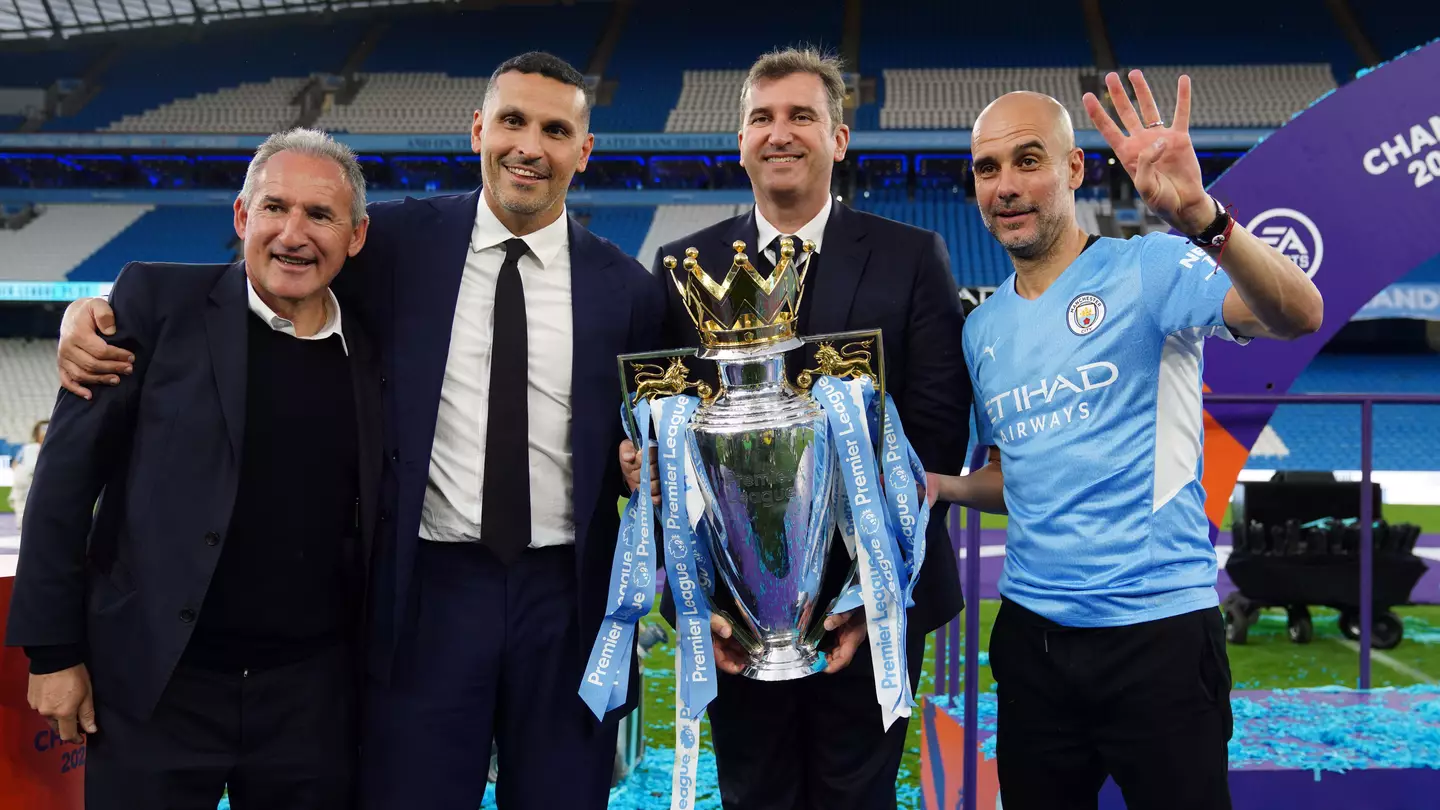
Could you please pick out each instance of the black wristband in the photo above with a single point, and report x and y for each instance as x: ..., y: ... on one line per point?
x: 1213, y: 233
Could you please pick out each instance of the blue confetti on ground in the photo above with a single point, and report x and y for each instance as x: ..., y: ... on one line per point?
x: 1288, y: 730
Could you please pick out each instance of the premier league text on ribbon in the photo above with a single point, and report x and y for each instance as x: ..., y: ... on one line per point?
x: 678, y: 539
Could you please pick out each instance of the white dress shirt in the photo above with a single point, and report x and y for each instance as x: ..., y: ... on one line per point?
x: 814, y: 230
x: 451, y: 512
x: 279, y: 324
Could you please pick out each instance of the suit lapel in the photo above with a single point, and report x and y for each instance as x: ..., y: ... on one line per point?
x: 842, y: 263
x: 600, y: 311
x: 225, y: 333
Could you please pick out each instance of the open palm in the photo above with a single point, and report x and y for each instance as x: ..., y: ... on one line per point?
x: 1160, y: 159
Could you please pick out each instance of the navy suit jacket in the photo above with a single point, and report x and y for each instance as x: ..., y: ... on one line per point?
x: 404, y: 285
x: 874, y: 273
x: 161, y: 451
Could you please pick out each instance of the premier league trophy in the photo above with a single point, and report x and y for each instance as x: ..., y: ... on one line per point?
x: 755, y: 478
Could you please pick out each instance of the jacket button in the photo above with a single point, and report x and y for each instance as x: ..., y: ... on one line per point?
x: 187, y: 615
x: 394, y: 455
x: 212, y: 539
x: 384, y: 515
x: 383, y: 381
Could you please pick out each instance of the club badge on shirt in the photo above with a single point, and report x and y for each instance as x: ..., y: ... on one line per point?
x: 1085, y: 314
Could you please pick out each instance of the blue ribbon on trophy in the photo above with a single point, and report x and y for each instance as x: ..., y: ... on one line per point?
x: 755, y: 479
x: 632, y: 590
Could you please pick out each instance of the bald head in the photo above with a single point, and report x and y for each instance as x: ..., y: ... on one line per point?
x: 1023, y: 108
x: 1026, y: 170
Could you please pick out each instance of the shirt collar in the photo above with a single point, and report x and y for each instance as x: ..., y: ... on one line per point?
x: 279, y: 324
x: 814, y: 230
x: 545, y: 244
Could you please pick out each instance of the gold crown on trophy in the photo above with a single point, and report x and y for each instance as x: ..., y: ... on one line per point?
x: 746, y: 309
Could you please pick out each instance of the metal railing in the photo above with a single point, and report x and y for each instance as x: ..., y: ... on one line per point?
x: 948, y: 647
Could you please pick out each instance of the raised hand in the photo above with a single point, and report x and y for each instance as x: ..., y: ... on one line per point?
x: 1160, y: 159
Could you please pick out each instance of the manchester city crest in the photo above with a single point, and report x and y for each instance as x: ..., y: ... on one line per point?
x: 1085, y: 314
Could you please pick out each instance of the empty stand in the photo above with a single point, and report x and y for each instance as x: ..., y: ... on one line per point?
x: 626, y: 226
x: 1274, y: 31
x: 408, y: 103
x: 709, y: 102
x: 952, y: 98
x: 28, y: 386
x: 1239, y: 95
x: 1394, y: 28
x: 259, y: 108
x: 930, y: 34
x: 169, y: 233
x: 62, y: 237
x: 1327, y: 437
x: 674, y: 221
x: 147, y: 75
x: 976, y: 259
x: 473, y: 42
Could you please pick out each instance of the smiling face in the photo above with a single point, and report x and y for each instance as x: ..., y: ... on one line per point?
x: 789, y: 146
x: 531, y: 137
x: 1026, y: 171
x: 297, y: 228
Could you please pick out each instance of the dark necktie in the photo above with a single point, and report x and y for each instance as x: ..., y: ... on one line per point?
x: 802, y: 322
x: 505, y: 494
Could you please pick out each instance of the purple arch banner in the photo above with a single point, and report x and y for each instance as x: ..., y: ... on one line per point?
x: 1349, y: 189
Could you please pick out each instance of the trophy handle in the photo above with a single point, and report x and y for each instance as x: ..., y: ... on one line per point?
x: 847, y: 361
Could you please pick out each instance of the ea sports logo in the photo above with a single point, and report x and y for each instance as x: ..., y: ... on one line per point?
x: 1085, y: 314
x: 1293, y: 234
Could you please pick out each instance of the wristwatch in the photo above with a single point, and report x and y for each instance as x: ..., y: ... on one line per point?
x: 1217, y: 231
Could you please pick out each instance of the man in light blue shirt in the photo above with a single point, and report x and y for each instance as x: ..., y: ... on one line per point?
x: 1108, y: 650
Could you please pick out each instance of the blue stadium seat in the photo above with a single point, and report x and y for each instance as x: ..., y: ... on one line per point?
x: 928, y: 34
x: 1278, y: 31
x: 976, y: 259
x: 625, y: 225
x: 147, y: 76
x: 170, y: 233
x: 470, y: 43
x: 1327, y: 437
x: 673, y: 33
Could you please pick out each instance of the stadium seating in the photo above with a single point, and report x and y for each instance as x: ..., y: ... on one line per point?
x: 674, y: 221
x: 1397, y: 27
x: 1327, y: 437
x: 661, y: 33
x: 1240, y: 95
x: 1274, y: 31
x: 626, y: 226
x: 951, y: 98
x: 259, y: 108
x: 30, y: 384
x: 168, y: 233
x: 62, y: 237
x: 709, y: 102
x: 146, y: 77
x: 902, y: 34
x: 473, y: 42
x: 432, y: 103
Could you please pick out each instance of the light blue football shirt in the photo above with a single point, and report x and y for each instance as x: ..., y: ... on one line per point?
x: 1092, y: 393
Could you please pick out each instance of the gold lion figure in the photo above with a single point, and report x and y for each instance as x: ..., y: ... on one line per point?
x: 653, y: 381
x: 851, y: 360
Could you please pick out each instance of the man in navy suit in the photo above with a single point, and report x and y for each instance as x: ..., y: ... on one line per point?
x: 213, y: 600
x: 498, y: 319
x: 819, y: 742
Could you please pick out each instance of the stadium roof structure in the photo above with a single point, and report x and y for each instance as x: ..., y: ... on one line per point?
x: 51, y: 19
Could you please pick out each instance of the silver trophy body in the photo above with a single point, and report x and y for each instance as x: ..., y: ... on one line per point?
x: 767, y: 476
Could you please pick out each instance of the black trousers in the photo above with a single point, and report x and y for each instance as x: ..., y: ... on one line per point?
x: 280, y: 739
x: 1147, y: 704
x: 816, y: 743
x: 495, y: 654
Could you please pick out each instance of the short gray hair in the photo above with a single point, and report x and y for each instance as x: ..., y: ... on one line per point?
x: 778, y: 64
x: 314, y: 143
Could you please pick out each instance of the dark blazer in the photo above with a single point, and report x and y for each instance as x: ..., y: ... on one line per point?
x: 874, y: 273
x: 161, y: 451
x: 404, y: 285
